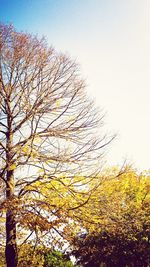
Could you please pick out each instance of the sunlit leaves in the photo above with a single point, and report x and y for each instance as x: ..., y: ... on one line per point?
x: 116, y: 199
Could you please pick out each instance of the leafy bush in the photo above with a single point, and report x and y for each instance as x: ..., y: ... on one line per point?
x: 57, y: 259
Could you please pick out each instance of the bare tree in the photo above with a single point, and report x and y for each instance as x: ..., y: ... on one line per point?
x: 47, y: 129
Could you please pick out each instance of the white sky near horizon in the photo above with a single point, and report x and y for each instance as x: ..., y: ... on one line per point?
x: 111, y: 41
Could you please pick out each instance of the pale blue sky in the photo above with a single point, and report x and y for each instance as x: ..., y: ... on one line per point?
x: 111, y: 41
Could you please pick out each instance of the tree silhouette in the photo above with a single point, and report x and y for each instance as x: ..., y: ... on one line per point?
x: 47, y: 136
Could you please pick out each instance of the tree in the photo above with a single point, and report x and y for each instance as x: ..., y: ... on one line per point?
x: 48, y: 145
x: 119, y: 234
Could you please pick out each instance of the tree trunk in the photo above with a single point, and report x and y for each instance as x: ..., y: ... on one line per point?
x: 11, y: 253
x: 11, y: 246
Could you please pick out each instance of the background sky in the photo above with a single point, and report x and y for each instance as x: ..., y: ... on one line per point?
x: 111, y: 41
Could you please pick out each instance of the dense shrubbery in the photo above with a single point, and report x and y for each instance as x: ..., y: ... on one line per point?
x: 42, y: 257
x: 39, y: 257
x: 56, y: 259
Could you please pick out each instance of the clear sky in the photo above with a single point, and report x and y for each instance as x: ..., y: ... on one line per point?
x: 111, y: 41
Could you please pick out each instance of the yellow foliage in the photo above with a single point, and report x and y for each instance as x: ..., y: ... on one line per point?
x: 12, y: 167
x: 25, y: 149
x: 30, y: 257
x: 115, y: 198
